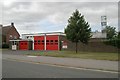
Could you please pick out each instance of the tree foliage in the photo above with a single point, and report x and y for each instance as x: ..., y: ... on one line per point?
x: 118, y: 36
x: 78, y: 29
x: 115, y: 41
x: 110, y: 32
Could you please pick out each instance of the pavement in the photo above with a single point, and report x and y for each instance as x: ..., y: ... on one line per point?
x: 70, y: 62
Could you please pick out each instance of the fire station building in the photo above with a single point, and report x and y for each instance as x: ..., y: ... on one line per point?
x: 39, y: 41
x: 58, y: 41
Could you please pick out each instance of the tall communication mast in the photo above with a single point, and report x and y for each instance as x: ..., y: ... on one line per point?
x: 103, y: 22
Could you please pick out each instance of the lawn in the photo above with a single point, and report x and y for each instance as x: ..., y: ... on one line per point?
x: 83, y: 55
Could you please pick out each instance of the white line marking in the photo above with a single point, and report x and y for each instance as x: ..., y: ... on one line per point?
x: 31, y: 56
x: 85, y: 69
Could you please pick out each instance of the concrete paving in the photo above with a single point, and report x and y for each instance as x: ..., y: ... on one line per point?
x: 71, y: 62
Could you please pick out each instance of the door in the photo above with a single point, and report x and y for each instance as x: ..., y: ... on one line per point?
x: 52, y: 42
x: 23, y: 45
x: 38, y: 42
x: 14, y: 45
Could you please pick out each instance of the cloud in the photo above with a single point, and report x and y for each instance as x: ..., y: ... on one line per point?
x: 52, y: 16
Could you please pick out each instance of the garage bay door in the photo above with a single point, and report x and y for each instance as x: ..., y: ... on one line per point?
x: 38, y: 42
x: 52, y: 42
x: 23, y: 45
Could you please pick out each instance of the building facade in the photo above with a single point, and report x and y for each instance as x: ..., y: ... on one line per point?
x: 58, y: 41
x: 40, y: 41
x: 9, y: 33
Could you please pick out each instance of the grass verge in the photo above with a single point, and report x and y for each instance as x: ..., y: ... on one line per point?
x: 82, y: 55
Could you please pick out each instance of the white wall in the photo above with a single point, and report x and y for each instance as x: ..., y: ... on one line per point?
x: 99, y: 35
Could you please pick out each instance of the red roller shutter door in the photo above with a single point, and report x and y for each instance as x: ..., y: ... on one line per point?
x: 51, y: 42
x: 38, y: 42
x: 23, y: 45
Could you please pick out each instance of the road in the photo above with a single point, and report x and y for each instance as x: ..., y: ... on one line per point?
x: 19, y: 69
x: 71, y: 62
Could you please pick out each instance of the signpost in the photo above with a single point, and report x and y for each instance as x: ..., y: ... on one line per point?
x: 64, y: 44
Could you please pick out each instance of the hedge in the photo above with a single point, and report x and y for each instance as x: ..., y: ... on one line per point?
x: 113, y: 42
x: 5, y: 45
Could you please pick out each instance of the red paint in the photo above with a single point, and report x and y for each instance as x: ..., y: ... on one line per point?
x: 38, y: 42
x: 23, y: 45
x: 51, y: 42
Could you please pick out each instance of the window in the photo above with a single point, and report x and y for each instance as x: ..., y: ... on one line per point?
x: 13, y: 43
x: 56, y: 40
x: 35, y: 41
x: 47, y: 41
x: 51, y: 40
x: 42, y: 40
x: 15, y: 37
x: 10, y: 36
x: 38, y: 41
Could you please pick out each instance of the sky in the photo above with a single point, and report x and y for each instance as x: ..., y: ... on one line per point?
x: 40, y: 16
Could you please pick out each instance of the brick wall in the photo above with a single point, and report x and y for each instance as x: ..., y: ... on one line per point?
x: 12, y: 32
x: 94, y: 45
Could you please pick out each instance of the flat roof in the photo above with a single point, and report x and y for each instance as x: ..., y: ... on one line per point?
x: 48, y: 33
x: 21, y: 40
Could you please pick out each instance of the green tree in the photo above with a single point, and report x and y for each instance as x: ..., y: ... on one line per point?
x: 115, y: 41
x: 110, y: 32
x: 78, y: 29
x: 118, y: 35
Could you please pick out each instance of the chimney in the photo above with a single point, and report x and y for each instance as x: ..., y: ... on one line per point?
x: 12, y: 24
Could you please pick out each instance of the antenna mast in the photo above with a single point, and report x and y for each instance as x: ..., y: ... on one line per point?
x: 103, y: 22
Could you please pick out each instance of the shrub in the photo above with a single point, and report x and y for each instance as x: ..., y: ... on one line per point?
x: 5, y: 45
x: 113, y: 42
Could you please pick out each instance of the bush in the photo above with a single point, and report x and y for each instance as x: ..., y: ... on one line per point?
x: 113, y: 42
x: 5, y: 45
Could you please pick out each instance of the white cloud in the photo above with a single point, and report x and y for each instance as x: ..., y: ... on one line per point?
x: 8, y: 2
x: 28, y: 16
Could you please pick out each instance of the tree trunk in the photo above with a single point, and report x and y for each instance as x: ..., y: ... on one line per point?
x: 76, y: 47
